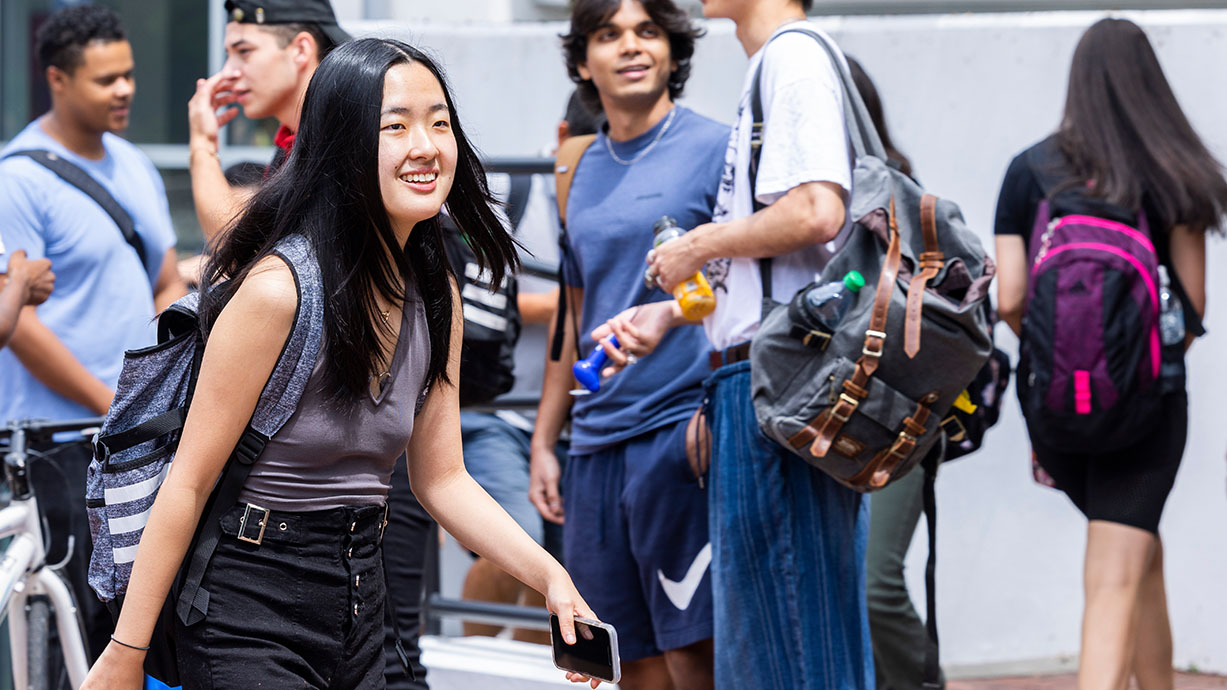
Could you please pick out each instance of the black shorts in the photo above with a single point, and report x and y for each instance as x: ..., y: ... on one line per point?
x: 303, y: 609
x: 1128, y: 487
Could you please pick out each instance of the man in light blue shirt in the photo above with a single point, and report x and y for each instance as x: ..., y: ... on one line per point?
x: 65, y: 356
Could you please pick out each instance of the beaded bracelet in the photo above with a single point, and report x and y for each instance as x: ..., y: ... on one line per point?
x: 129, y: 646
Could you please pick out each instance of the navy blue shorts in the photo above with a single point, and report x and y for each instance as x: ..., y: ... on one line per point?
x: 636, y: 541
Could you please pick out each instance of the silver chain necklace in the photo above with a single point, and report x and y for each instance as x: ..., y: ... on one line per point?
x: 639, y: 156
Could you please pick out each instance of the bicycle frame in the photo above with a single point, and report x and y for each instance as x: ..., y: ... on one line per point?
x: 22, y: 569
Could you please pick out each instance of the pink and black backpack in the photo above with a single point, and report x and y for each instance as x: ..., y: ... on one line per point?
x: 1091, y: 353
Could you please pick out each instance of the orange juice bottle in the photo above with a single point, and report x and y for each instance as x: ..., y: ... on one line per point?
x: 694, y: 295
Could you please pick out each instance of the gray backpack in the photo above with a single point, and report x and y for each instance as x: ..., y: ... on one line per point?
x: 137, y: 443
x: 865, y: 403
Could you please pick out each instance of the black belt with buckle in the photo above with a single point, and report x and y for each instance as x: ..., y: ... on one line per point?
x: 253, y: 522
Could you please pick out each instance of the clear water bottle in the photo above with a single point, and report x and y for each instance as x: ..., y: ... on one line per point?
x: 1171, y: 312
x: 828, y: 303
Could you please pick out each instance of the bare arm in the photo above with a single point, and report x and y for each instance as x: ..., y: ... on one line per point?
x: 1011, y: 280
x: 51, y: 362
x: 170, y: 285
x: 537, y: 307
x: 810, y: 213
x: 242, y: 350
x: 1189, y: 261
x: 216, y: 202
x: 544, y: 469
x: 464, y: 509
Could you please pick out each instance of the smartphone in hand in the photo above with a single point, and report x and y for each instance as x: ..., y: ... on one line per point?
x: 595, y: 652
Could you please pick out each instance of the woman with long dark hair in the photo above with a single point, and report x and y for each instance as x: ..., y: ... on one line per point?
x: 379, y: 151
x: 1128, y: 174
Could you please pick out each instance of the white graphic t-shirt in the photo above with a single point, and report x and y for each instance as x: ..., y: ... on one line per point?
x: 804, y: 140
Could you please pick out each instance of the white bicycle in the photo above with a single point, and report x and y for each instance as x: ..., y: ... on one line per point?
x: 30, y: 589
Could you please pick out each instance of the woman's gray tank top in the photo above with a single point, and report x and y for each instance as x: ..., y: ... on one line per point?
x: 325, y: 457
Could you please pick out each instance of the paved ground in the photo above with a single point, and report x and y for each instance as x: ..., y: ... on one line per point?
x: 1184, y: 681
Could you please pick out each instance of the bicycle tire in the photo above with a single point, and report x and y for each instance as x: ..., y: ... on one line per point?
x: 38, y: 619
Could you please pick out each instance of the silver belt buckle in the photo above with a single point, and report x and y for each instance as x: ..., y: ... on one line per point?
x: 242, y: 535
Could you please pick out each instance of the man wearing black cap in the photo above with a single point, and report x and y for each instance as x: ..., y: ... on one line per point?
x: 272, y: 49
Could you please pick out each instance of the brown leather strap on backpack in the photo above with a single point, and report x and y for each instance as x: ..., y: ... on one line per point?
x: 878, y: 471
x: 931, y: 262
x: 826, y: 427
x: 565, y: 163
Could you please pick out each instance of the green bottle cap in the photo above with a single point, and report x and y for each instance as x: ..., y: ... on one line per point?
x: 854, y: 281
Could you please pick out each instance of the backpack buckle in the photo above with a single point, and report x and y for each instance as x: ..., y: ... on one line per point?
x: 955, y: 431
x: 815, y: 338
x: 242, y: 535
x: 869, y: 336
x: 852, y: 403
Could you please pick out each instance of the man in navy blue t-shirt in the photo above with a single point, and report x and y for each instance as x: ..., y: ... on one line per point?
x: 636, y: 540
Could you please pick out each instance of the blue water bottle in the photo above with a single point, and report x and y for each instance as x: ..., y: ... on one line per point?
x: 828, y: 303
x: 588, y: 370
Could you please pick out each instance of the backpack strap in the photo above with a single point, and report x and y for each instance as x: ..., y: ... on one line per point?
x: 931, y: 262
x: 565, y: 163
x: 862, y: 134
x: 75, y: 176
x: 277, y: 403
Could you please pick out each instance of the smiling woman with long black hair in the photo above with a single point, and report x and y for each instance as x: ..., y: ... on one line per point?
x: 380, y: 151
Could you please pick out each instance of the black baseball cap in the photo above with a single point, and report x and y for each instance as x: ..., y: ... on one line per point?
x: 318, y: 12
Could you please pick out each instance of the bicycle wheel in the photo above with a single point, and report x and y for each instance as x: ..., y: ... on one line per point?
x: 38, y: 618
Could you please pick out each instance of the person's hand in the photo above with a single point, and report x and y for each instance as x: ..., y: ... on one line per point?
x: 676, y: 260
x: 639, y: 329
x: 204, y: 122
x: 544, y: 473
x: 564, y: 601
x: 33, y: 275
x: 118, y: 668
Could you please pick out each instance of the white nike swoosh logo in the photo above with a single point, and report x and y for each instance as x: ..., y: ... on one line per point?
x: 681, y: 592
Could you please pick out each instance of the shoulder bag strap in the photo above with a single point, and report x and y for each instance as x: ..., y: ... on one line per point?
x: 931, y: 263
x: 75, y: 176
x: 567, y: 159
x: 861, y: 133
x: 282, y: 392
x: 569, y: 155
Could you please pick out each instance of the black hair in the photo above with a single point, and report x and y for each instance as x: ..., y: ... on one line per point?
x: 580, y: 120
x: 285, y: 33
x: 1124, y: 131
x: 329, y: 191
x: 589, y: 15
x: 873, y: 103
x: 807, y: 5
x: 62, y: 39
x: 245, y: 174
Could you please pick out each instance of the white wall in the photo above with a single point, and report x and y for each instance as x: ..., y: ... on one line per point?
x: 963, y: 94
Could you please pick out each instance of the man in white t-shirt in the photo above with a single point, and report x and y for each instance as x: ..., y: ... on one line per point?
x: 788, y: 540
x: 24, y: 282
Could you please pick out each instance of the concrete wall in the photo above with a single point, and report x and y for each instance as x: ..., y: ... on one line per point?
x: 963, y: 94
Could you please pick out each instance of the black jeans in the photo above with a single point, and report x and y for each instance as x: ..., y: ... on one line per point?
x: 404, y: 550
x: 303, y: 609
